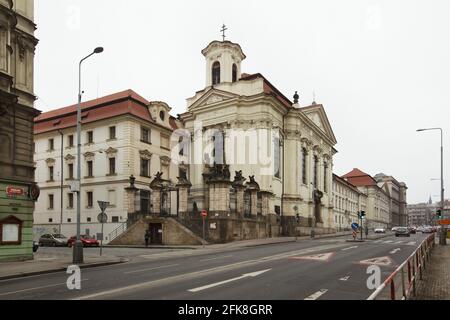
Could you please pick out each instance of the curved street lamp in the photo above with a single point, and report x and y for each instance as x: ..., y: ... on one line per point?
x: 78, y: 246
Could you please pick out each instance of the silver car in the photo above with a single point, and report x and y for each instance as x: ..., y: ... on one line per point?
x: 53, y: 240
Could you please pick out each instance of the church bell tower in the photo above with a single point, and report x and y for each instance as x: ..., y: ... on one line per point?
x: 223, y: 62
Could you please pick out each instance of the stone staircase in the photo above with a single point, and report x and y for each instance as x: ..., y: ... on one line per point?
x: 174, y: 233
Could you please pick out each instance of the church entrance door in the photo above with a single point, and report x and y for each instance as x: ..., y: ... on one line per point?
x: 156, y: 233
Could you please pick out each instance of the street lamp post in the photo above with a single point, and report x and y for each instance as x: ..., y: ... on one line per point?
x: 443, y: 235
x: 78, y: 246
x: 62, y: 179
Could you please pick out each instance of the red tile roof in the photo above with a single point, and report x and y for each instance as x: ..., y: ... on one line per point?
x: 359, y: 178
x: 269, y: 88
x: 125, y: 102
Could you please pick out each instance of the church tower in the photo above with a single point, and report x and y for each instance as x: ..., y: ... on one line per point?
x: 223, y: 62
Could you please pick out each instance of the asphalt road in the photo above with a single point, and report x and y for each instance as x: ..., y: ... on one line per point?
x: 307, y: 269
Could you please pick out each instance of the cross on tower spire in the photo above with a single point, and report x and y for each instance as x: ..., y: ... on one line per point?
x: 224, y: 28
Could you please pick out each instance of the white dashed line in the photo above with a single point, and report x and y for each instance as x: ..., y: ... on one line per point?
x: 344, y: 278
x: 149, y: 269
x: 388, y: 241
x: 349, y: 248
x: 317, y: 295
x: 216, y: 258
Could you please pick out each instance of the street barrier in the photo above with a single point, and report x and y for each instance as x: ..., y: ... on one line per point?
x: 402, y: 282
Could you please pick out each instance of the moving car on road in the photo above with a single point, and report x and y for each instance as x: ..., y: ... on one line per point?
x: 412, y: 230
x: 87, y: 241
x: 380, y: 230
x: 402, y: 232
x: 427, y: 230
x: 53, y: 240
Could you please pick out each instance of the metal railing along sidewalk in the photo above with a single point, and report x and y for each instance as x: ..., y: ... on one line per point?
x: 402, y: 282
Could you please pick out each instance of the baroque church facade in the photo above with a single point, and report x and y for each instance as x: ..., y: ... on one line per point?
x: 256, y: 132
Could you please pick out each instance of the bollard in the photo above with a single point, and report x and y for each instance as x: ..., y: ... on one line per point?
x: 409, y: 272
x: 392, y: 289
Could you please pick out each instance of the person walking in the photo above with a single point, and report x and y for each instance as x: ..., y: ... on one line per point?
x: 147, y: 237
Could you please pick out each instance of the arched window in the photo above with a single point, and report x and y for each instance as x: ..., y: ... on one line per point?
x: 234, y: 72
x: 216, y: 73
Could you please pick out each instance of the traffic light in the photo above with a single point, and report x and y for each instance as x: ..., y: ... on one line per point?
x: 439, y: 214
x: 363, y: 214
x: 297, y: 217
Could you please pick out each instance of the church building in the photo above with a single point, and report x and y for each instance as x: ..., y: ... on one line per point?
x: 252, y: 163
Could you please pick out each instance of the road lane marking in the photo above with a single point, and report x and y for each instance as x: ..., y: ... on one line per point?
x: 388, y: 241
x: 247, y: 275
x: 201, y: 273
x: 36, y: 288
x: 149, y: 269
x: 412, y: 243
x: 349, y: 248
x: 378, y: 241
x: 380, y: 261
x: 344, y: 278
x: 398, y: 242
x: 317, y: 295
x: 318, y: 257
x: 216, y: 258
x: 395, y: 251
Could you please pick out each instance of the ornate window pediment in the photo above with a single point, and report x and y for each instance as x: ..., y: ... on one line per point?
x: 50, y: 161
x: 165, y: 160
x: 111, y: 152
x: 69, y: 158
x: 145, y: 154
x: 89, y: 155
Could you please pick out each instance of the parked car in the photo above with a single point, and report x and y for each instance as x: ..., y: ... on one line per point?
x: 35, y: 246
x: 53, y: 240
x: 380, y: 230
x: 87, y: 241
x: 394, y: 229
x: 427, y: 230
x: 402, y: 232
x: 412, y: 230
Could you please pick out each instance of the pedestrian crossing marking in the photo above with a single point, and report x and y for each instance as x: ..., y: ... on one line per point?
x: 412, y: 243
x: 398, y: 242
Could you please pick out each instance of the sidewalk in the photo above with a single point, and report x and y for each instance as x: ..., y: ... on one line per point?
x: 46, y: 264
x: 436, y: 278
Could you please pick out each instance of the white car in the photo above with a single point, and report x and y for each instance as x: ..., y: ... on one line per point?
x: 394, y: 229
x: 380, y: 230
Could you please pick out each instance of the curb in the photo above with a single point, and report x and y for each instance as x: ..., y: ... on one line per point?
x: 59, y: 269
x: 149, y: 247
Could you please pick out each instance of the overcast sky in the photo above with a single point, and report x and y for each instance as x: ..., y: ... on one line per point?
x: 380, y: 68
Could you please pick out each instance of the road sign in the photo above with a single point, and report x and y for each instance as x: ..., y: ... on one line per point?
x: 204, y: 213
x: 103, y: 205
x: 102, y: 218
x: 355, y: 226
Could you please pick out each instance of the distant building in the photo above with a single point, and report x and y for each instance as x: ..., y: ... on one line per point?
x: 397, y: 195
x: 122, y: 134
x: 425, y: 213
x: 378, y: 199
x: 17, y: 188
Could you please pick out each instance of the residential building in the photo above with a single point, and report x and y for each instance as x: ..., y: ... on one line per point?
x: 18, y: 191
x: 348, y: 200
x: 378, y: 199
x: 122, y: 135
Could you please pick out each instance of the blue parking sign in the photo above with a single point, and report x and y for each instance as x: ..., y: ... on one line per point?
x: 355, y: 226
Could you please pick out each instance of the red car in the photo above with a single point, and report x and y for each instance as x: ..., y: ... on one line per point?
x: 87, y: 241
